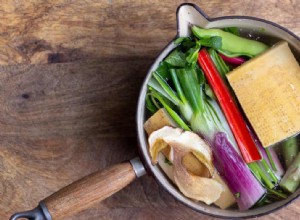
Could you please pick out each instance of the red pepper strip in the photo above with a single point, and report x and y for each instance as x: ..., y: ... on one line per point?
x: 235, y: 119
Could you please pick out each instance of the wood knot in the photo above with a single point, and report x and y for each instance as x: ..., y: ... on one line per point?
x: 25, y: 96
x: 55, y: 58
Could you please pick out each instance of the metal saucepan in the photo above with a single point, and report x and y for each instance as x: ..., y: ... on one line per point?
x: 100, y: 185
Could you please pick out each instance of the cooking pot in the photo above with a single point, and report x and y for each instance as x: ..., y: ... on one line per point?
x: 100, y: 185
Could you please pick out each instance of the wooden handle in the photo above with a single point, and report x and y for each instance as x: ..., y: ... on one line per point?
x: 89, y: 190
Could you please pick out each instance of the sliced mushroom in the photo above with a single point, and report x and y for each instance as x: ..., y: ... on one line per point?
x: 181, y: 145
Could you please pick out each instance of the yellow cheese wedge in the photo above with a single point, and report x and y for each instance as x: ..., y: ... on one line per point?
x: 268, y: 89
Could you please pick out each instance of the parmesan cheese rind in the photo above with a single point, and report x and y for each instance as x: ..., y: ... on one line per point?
x: 268, y: 89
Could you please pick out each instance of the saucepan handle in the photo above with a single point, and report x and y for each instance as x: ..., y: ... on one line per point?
x: 85, y: 192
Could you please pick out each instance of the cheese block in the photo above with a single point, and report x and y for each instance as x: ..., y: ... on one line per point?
x: 268, y: 89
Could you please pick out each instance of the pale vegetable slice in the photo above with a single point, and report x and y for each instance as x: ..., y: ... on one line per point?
x: 192, y: 164
x: 157, y: 142
x: 160, y: 119
x: 195, y: 167
x: 191, y: 142
x: 201, y: 188
x: 166, y: 166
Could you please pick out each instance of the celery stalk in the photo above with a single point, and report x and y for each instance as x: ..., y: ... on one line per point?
x: 291, y: 179
x: 289, y: 150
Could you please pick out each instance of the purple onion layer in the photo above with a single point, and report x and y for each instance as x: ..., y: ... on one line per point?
x: 236, y: 173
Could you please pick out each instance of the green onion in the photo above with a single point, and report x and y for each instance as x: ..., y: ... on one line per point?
x: 171, y: 112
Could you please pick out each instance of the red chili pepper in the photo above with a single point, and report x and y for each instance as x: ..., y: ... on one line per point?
x: 235, y: 119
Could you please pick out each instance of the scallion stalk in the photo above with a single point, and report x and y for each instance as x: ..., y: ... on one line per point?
x: 171, y: 112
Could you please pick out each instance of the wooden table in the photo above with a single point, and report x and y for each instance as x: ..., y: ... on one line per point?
x: 60, y: 122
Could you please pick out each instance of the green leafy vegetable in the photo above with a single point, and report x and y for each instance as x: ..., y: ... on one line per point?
x: 163, y: 70
x: 222, y: 67
x: 231, y: 54
x: 271, y: 159
x: 150, y: 106
x: 176, y: 59
x: 164, y: 89
x: 232, y: 45
x: 180, y: 40
x: 185, y: 43
x: 233, y: 30
x: 169, y: 109
x: 213, y: 42
x: 192, y: 54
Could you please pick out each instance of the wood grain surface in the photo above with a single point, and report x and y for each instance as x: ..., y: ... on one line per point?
x: 63, y: 121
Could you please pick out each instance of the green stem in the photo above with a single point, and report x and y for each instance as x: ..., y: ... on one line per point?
x: 177, y: 85
x: 154, y: 85
x: 155, y: 102
x: 191, y: 89
x: 219, y: 63
x: 271, y: 159
x: 269, y: 170
x: 150, y: 105
x: 279, y: 194
x: 166, y: 87
x: 171, y: 112
x: 257, y: 170
x: 290, y: 150
x: 291, y: 179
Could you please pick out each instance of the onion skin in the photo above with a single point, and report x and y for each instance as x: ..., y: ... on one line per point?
x: 180, y: 143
